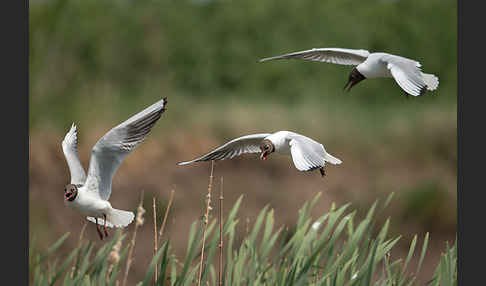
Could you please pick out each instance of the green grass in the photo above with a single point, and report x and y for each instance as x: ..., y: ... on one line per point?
x: 337, y: 248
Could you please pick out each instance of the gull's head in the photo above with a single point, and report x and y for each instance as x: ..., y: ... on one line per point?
x: 70, y: 192
x: 354, y: 77
x: 266, y: 147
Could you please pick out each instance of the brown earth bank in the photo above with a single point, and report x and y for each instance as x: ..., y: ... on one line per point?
x: 423, y: 182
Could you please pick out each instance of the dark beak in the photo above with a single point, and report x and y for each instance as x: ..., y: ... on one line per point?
x: 349, y: 85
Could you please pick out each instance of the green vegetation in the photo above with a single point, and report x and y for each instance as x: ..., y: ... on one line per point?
x: 87, y: 55
x: 337, y: 248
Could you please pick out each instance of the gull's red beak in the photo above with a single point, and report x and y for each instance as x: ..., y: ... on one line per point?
x: 263, y: 156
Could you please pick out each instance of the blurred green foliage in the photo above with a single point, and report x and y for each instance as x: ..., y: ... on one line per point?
x: 90, y: 55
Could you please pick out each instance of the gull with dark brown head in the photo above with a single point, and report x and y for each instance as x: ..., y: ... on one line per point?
x: 89, y: 194
x: 306, y: 153
x: 406, y: 72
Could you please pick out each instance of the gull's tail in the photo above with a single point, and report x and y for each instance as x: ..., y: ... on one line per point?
x: 430, y: 80
x: 331, y: 159
x: 115, y: 218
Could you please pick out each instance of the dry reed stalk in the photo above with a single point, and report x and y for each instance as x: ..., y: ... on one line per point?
x: 161, y: 232
x: 155, y: 238
x: 220, y: 277
x: 205, y: 222
x: 114, y: 257
x: 385, y: 261
x: 79, y: 245
x: 138, y: 222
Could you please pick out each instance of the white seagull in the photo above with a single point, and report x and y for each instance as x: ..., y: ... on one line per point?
x: 406, y: 72
x: 89, y: 194
x: 306, y: 153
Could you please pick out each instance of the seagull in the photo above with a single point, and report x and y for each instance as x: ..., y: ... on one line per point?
x: 306, y: 153
x: 89, y: 194
x: 406, y: 72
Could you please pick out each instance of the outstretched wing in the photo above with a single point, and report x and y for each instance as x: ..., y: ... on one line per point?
x: 308, y: 154
x: 114, y: 146
x: 235, y: 147
x: 327, y: 55
x: 406, y: 73
x: 70, y: 150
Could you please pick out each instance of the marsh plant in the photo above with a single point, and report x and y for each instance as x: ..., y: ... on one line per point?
x: 337, y: 248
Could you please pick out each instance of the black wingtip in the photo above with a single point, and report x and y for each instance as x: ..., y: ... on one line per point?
x: 164, y: 107
x: 423, y: 90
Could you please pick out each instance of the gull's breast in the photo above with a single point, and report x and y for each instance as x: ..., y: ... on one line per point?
x: 373, y: 67
x: 88, y: 204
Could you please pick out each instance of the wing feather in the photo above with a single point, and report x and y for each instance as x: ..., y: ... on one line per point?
x: 407, y: 74
x: 70, y: 150
x: 233, y: 148
x: 308, y: 154
x: 327, y: 55
x: 109, y: 152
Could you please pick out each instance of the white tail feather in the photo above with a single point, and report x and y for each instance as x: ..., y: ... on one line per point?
x: 100, y: 221
x: 331, y: 159
x: 430, y: 80
x: 115, y: 218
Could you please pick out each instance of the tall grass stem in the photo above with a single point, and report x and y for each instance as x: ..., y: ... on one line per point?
x: 205, y: 223
x: 138, y: 222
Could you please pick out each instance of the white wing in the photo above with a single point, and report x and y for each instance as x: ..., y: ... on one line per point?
x: 114, y: 146
x: 308, y: 154
x: 235, y: 147
x: 327, y: 55
x: 70, y: 150
x: 406, y: 73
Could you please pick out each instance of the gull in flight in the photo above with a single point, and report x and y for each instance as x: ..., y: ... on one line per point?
x: 306, y: 153
x: 406, y: 72
x: 89, y: 194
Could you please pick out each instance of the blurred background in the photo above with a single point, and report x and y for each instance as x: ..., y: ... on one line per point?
x: 95, y: 63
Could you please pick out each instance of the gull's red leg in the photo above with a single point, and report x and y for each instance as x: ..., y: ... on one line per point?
x: 98, y: 230
x: 104, y: 225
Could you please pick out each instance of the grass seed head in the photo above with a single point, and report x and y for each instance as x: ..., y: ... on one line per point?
x: 140, y: 212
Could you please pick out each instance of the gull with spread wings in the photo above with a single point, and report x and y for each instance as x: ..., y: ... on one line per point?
x: 406, y: 72
x: 89, y: 194
x: 306, y: 153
